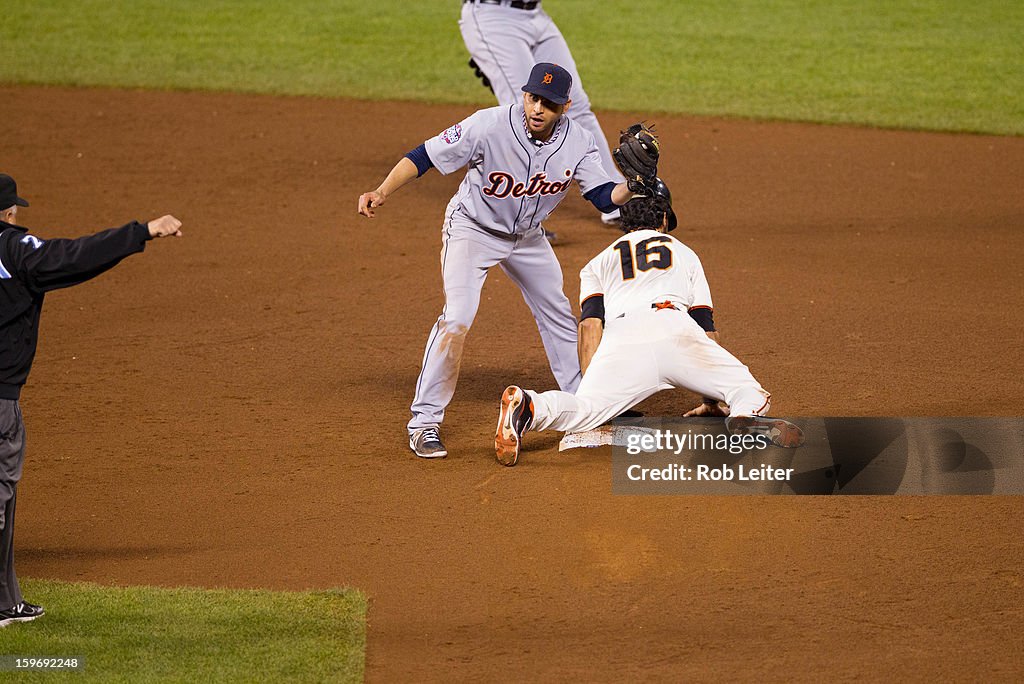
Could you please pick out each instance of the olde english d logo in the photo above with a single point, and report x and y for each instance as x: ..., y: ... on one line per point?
x: 503, y: 184
x: 548, y: 78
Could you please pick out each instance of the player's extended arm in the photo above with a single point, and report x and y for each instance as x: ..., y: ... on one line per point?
x: 609, y: 196
x: 590, y: 332
x: 621, y: 194
x: 405, y: 170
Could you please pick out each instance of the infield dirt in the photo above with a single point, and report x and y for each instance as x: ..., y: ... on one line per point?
x: 228, y: 410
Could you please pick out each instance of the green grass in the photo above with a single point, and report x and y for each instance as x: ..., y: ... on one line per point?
x: 143, y: 634
x: 939, y: 64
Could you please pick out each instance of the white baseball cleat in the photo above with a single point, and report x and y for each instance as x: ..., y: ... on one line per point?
x: 781, y: 432
x: 514, y: 418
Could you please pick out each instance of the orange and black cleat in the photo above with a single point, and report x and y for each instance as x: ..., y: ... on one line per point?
x: 514, y: 418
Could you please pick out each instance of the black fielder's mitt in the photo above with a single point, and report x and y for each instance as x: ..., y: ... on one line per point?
x: 480, y: 74
x: 637, y: 156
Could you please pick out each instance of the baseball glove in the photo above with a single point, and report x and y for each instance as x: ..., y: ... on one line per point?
x: 637, y: 156
x: 480, y: 74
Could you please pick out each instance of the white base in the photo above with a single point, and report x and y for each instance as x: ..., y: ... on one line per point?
x: 614, y: 435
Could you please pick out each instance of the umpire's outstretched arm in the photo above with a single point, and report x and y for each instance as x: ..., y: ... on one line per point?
x: 52, y: 264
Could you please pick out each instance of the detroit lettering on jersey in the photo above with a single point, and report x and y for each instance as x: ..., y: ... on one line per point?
x: 513, y: 184
x: 504, y: 184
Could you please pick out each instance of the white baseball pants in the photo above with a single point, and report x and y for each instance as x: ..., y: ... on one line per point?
x: 643, y: 353
x: 467, y: 254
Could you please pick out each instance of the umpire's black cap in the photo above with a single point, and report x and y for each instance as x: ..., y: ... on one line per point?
x: 9, y: 193
x: 549, y: 81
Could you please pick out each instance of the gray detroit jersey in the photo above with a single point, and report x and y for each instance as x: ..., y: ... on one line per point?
x: 514, y: 182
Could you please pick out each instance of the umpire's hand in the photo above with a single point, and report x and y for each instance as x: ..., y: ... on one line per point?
x: 164, y: 226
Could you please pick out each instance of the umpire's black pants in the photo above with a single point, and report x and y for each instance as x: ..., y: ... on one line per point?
x: 12, y: 458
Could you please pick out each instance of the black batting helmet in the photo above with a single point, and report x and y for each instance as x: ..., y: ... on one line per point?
x: 648, y: 209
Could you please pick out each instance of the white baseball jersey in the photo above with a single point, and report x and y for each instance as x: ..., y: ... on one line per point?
x: 648, y: 345
x: 514, y: 182
x: 642, y: 268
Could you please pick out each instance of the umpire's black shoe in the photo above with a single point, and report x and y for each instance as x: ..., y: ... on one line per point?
x: 21, y: 612
x: 514, y: 418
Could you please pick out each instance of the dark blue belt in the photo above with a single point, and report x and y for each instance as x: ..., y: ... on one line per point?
x: 514, y: 4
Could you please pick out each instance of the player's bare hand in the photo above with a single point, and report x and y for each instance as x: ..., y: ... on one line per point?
x: 164, y: 226
x: 706, y: 410
x: 369, y: 201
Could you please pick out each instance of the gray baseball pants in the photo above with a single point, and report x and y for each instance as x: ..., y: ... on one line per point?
x: 12, y: 458
x: 466, y: 256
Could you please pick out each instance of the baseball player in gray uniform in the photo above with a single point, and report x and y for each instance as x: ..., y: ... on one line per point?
x: 520, y: 161
x: 505, y: 38
x: 646, y: 326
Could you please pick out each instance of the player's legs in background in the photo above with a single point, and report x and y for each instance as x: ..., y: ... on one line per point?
x: 532, y: 266
x: 466, y: 255
x: 695, y: 362
x: 499, y: 42
x: 551, y: 47
x: 620, y: 376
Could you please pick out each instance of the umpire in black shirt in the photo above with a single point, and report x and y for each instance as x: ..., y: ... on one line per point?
x: 29, y: 268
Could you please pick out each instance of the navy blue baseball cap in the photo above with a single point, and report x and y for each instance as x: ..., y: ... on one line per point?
x: 549, y: 81
x: 9, y: 193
